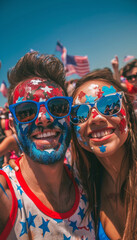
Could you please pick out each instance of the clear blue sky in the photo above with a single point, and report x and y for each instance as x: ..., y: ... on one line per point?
x: 97, y: 28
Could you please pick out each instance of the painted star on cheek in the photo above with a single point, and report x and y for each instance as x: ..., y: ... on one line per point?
x: 94, y: 113
x: 19, y: 99
x: 47, y: 89
x: 62, y: 121
x: 108, y: 90
x: 35, y: 81
x: 100, y: 93
x: 81, y: 95
x: 102, y: 148
x: 77, y: 101
x: 90, y: 99
x: 122, y: 125
x: 122, y: 111
x: 47, y: 116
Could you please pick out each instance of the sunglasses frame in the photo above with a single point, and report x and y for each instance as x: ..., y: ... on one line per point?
x: 45, y: 103
x: 129, y: 78
x: 120, y: 95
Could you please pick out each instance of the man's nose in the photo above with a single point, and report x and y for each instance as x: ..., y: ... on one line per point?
x: 43, y: 116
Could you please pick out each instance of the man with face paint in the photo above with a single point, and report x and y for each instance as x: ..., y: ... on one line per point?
x: 42, y: 200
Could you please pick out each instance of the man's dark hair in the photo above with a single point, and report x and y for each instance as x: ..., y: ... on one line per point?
x: 33, y: 64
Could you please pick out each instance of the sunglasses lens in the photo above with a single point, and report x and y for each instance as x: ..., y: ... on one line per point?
x: 26, y: 112
x: 109, y: 105
x: 58, y: 107
x: 79, y: 113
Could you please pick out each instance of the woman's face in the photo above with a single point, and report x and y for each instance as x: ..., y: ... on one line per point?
x: 103, y: 135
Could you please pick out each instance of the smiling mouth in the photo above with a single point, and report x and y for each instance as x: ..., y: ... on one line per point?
x: 46, y: 140
x: 100, y: 134
x: 47, y: 135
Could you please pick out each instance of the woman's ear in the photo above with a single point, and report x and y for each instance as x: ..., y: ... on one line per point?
x: 11, y: 124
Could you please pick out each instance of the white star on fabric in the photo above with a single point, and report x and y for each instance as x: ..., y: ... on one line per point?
x: 77, y: 101
x: 47, y: 89
x: 35, y: 81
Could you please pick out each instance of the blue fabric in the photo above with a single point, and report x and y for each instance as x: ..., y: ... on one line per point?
x: 101, y: 234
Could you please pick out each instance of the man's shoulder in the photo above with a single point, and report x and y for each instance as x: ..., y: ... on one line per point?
x: 5, y: 199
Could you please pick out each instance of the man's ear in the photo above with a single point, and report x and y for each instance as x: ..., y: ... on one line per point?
x: 11, y: 124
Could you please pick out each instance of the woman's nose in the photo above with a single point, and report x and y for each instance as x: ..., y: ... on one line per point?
x: 96, y: 118
x: 43, y: 116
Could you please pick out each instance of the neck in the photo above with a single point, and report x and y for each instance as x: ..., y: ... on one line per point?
x: 47, y: 178
x: 115, y: 166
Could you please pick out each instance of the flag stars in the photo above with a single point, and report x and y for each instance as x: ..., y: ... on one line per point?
x: 19, y: 189
x: 90, y: 226
x: 73, y: 225
x: 83, y: 197
x: 20, y: 204
x: 44, y: 226
x: 30, y: 220
x: 24, y: 228
x: 81, y: 213
x: 65, y: 238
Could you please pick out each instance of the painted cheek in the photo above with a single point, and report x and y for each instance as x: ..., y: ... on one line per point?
x: 102, y: 149
x: 95, y: 113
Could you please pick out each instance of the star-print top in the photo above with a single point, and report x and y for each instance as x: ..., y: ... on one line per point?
x: 31, y: 219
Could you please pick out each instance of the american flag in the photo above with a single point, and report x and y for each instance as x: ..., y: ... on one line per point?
x: 77, y: 65
x: 127, y: 58
x: 59, y: 47
x: 73, y: 64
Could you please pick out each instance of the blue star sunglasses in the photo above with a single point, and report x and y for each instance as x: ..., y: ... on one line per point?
x: 107, y: 105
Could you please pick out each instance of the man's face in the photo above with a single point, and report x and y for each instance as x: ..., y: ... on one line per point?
x: 132, y: 76
x: 46, y: 139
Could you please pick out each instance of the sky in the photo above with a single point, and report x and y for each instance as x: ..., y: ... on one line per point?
x: 94, y: 28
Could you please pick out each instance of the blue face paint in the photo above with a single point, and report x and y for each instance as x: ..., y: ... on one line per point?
x: 90, y: 99
x: 102, y: 149
x: 45, y: 156
x: 47, y: 116
x: 108, y: 90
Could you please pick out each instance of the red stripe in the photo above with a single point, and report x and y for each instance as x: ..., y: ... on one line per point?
x: 13, y: 212
x: 41, y: 206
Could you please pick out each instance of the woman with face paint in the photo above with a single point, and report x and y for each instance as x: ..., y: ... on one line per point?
x: 104, y: 148
x: 42, y: 200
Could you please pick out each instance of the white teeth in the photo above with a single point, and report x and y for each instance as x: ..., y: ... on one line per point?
x: 44, y: 135
x: 102, y: 133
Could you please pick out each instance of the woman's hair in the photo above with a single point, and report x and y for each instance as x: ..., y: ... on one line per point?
x: 91, y: 170
x: 33, y: 64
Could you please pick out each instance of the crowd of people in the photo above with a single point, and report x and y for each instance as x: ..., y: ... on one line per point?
x: 69, y: 169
